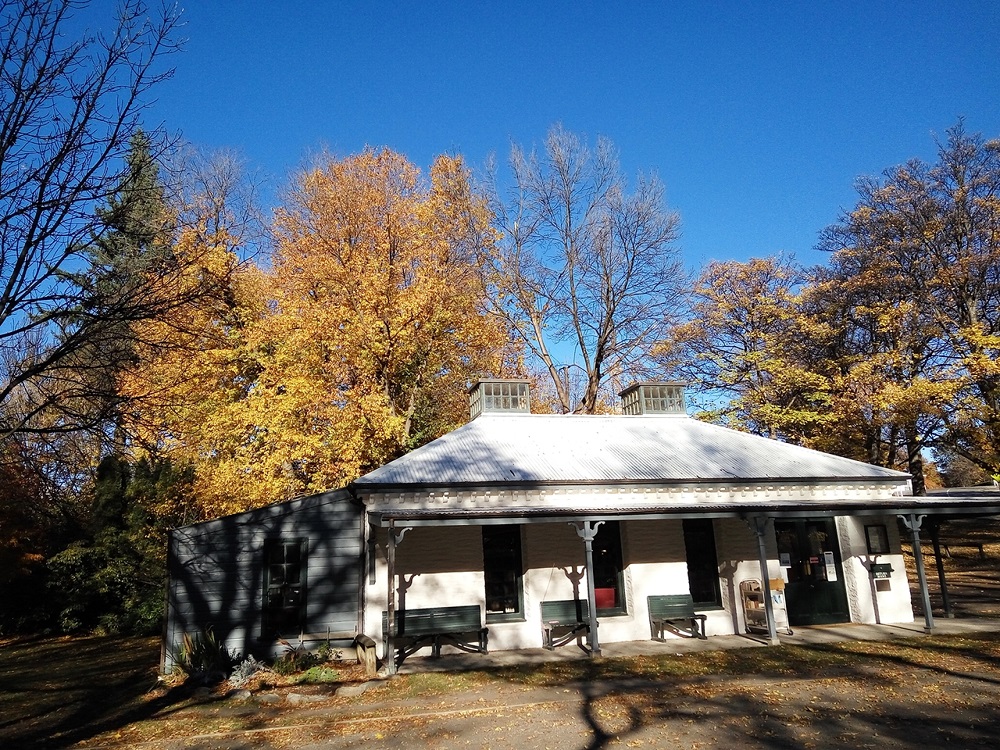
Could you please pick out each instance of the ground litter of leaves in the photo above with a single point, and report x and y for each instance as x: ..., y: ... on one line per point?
x: 921, y: 692
x: 925, y: 692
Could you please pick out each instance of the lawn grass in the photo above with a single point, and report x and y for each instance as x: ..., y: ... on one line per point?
x: 56, y: 690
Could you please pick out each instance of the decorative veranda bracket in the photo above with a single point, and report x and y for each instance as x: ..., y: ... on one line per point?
x: 586, y: 530
x: 912, y: 522
x: 402, y: 533
x: 373, y: 546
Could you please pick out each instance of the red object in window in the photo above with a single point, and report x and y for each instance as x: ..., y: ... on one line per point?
x: 604, y: 598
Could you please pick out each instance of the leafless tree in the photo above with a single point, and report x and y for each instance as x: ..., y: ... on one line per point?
x: 583, y: 267
x: 69, y: 107
x: 213, y: 192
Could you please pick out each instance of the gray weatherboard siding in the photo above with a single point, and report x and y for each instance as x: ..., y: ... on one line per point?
x: 216, y: 572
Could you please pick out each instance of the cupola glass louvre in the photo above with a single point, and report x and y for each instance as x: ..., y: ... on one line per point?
x: 653, y: 398
x: 499, y: 397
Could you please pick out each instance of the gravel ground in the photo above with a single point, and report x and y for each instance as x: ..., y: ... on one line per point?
x: 909, y: 697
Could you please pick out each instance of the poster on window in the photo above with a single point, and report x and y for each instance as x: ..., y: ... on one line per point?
x: 831, y: 566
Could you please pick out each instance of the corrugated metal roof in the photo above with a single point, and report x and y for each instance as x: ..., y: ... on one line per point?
x: 510, y: 449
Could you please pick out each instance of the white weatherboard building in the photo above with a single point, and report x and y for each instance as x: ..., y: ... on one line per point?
x: 514, y: 510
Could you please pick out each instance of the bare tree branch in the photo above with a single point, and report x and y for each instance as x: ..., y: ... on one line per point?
x: 583, y: 265
x: 68, y: 110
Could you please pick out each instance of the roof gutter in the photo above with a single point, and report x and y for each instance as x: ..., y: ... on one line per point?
x: 530, y: 484
x: 981, y: 506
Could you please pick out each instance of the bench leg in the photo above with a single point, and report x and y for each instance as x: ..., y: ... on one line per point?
x: 698, y: 626
x: 656, y: 631
x: 547, y: 639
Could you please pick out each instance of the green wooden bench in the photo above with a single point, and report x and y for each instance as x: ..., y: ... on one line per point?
x: 671, y: 609
x: 946, y: 546
x: 460, y: 626
x: 563, y: 614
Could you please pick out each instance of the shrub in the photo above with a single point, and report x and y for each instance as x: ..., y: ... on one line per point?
x: 203, y: 656
x: 295, y: 659
x: 326, y: 652
x: 318, y: 676
x: 243, y: 671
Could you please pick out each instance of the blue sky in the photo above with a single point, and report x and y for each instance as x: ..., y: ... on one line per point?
x: 758, y: 117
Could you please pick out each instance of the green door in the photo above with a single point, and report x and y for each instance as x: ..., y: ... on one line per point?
x: 815, y: 593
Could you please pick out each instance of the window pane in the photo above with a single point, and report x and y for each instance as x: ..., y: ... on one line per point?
x: 608, y: 578
x: 277, y: 575
x: 502, y: 569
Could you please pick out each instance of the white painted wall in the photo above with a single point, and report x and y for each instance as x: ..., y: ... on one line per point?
x: 443, y: 566
x: 893, y: 601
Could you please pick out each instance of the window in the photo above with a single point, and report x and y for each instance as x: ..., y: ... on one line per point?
x: 609, y: 581
x: 878, y: 539
x: 702, y: 564
x: 284, y: 587
x: 503, y: 572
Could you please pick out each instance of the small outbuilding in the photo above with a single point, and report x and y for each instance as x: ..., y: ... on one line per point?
x: 520, y: 530
x: 285, y: 571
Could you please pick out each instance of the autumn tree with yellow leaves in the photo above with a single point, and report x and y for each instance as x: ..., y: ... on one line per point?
x: 379, y: 320
x: 353, y: 348
x: 888, y: 352
x: 920, y: 256
x: 742, y: 350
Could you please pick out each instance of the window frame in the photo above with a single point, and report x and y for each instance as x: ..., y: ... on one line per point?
x: 515, y: 556
x: 272, y: 626
x: 877, y: 539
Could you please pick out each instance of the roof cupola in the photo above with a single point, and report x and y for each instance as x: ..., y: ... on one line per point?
x: 499, y: 397
x: 653, y: 398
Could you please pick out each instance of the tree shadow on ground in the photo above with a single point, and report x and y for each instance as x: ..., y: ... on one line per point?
x: 926, y: 693
x: 55, y: 692
x: 906, y: 705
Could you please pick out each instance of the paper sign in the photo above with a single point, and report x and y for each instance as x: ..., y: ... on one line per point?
x: 831, y: 567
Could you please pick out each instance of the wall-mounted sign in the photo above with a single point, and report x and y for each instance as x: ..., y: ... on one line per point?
x: 881, y: 570
x: 831, y: 566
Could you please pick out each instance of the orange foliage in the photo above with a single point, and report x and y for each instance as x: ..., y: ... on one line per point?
x: 354, y: 348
